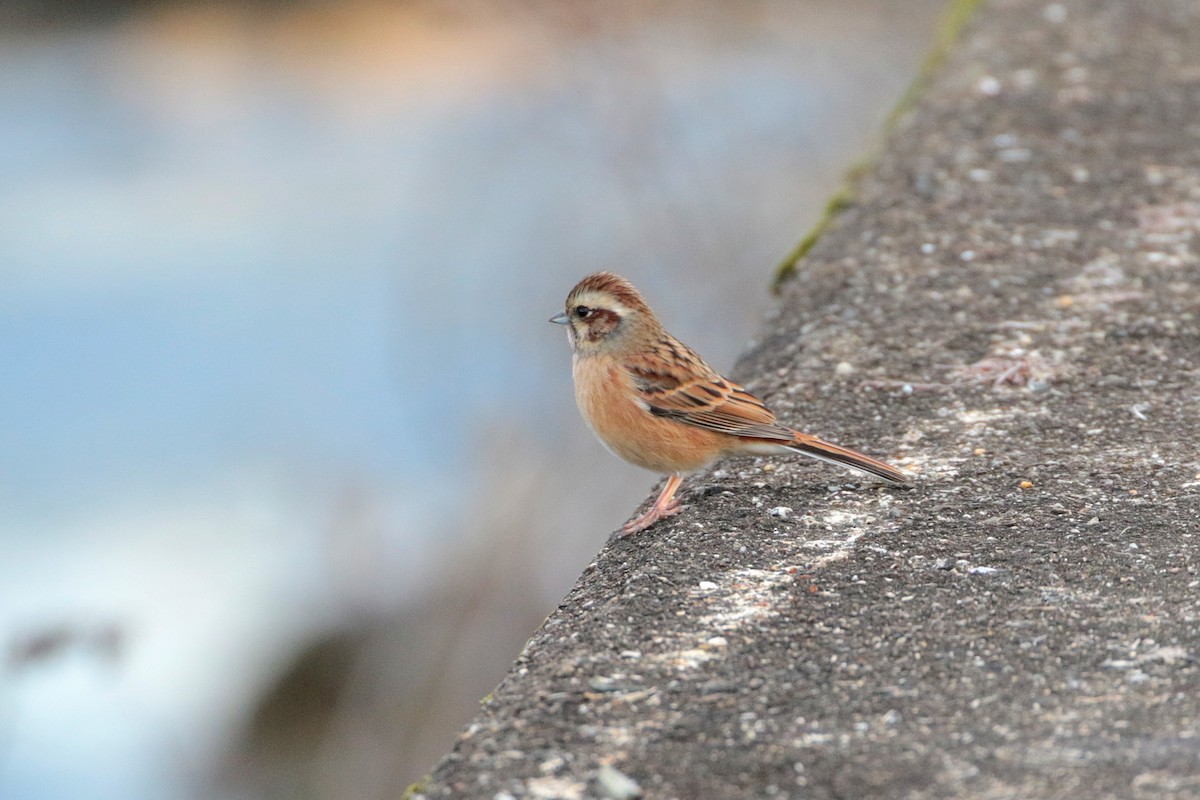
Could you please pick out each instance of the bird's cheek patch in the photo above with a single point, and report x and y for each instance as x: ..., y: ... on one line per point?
x: 601, y: 323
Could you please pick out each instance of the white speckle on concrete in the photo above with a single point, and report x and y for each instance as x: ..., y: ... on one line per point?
x: 1055, y: 13
x: 988, y: 86
x: 615, y: 784
x: 551, y: 788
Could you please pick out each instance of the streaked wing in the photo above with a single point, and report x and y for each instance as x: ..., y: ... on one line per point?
x: 673, y: 382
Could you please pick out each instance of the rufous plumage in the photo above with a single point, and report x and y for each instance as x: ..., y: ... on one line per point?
x: 655, y: 403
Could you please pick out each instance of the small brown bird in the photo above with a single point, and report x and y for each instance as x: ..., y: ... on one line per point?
x: 655, y: 403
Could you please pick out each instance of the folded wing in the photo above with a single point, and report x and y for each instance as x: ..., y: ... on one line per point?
x: 673, y: 382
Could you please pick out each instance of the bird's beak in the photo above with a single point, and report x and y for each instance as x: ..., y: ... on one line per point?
x: 560, y: 318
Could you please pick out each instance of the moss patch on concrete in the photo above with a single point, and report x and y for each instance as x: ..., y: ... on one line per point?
x: 954, y: 19
x: 415, y: 790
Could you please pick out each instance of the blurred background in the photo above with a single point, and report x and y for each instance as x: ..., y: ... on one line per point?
x: 290, y: 465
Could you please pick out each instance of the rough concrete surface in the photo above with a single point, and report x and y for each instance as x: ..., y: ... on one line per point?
x: 1010, y: 310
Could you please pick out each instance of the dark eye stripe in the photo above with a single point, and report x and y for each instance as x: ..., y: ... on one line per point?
x: 600, y: 322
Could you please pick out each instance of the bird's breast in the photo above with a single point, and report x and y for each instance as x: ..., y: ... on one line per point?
x: 614, y: 410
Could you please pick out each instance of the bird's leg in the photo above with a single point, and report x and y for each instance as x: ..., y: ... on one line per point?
x: 665, y: 506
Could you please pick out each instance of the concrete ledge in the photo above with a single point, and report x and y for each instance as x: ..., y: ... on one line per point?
x: 1015, y: 293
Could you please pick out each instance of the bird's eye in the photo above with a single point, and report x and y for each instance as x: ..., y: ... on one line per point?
x: 582, y: 312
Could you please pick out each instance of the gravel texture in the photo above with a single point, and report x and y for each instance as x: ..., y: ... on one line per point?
x: 1010, y: 309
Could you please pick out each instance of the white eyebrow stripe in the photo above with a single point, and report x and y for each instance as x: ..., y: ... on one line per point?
x: 600, y: 300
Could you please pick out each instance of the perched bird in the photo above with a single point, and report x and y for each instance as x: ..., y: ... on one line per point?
x: 655, y: 403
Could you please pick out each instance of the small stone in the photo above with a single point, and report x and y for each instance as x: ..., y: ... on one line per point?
x: 552, y: 765
x: 706, y: 586
x: 780, y: 511
x: 615, y: 784
x: 988, y: 86
x: 844, y: 369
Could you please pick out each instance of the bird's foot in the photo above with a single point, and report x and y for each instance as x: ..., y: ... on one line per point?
x: 652, y: 516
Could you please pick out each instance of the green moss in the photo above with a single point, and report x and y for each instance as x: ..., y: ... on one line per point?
x: 949, y: 28
x: 957, y: 14
x: 836, y: 205
x: 415, y: 789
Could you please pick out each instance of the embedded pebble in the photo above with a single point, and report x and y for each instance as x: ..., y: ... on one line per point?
x: 615, y: 784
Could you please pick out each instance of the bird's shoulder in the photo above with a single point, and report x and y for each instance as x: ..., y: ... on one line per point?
x: 673, y: 381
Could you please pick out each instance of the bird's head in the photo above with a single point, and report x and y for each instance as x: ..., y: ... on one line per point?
x: 604, y: 311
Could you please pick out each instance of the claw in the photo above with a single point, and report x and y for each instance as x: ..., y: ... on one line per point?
x: 667, y: 505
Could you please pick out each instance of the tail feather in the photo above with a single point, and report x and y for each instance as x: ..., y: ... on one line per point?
x: 813, y: 447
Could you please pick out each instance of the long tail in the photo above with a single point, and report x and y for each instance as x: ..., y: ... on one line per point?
x: 813, y: 447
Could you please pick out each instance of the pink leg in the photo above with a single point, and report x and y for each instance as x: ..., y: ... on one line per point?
x: 665, y: 506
